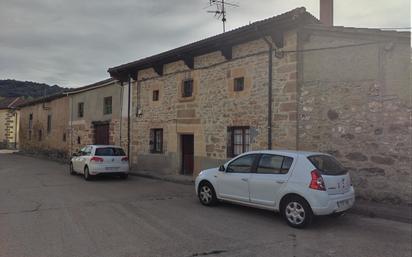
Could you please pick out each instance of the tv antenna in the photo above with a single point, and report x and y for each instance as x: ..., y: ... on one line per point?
x: 220, y: 12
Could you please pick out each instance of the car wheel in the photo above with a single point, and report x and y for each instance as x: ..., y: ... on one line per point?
x: 72, y: 172
x: 87, y: 175
x: 207, y: 195
x: 297, y: 212
x: 124, y: 175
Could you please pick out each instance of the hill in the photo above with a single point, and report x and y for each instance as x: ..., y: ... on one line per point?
x: 28, y: 89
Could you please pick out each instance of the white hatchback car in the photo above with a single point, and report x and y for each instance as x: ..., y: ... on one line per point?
x: 100, y: 159
x: 297, y: 184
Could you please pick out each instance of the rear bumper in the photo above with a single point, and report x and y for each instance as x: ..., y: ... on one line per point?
x: 336, y: 203
x: 97, y: 169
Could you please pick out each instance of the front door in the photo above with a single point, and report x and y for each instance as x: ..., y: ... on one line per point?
x: 233, y: 183
x: 101, y: 134
x: 187, y: 154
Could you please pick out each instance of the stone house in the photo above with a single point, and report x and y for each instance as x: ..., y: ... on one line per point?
x: 59, y: 125
x: 97, y: 114
x: 9, y: 122
x: 44, y: 126
x: 284, y: 82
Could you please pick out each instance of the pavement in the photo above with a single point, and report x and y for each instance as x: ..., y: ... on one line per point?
x: 44, y: 212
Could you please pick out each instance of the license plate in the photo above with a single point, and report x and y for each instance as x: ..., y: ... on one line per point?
x: 112, y: 168
x: 343, y: 203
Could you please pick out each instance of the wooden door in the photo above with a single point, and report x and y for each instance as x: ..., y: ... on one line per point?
x: 101, y: 134
x: 187, y: 154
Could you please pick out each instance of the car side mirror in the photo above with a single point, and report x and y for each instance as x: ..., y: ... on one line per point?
x: 75, y: 154
x: 222, y: 168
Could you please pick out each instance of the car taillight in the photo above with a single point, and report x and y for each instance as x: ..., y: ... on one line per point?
x: 96, y: 159
x: 125, y: 159
x: 317, y: 182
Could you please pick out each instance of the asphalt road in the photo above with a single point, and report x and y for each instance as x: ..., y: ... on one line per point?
x: 46, y: 212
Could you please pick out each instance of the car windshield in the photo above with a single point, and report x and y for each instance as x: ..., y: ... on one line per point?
x: 327, y: 165
x: 109, y: 151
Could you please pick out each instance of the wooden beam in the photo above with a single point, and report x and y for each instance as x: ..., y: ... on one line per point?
x: 227, y: 52
x: 277, y: 38
x: 189, y: 61
x: 158, y: 69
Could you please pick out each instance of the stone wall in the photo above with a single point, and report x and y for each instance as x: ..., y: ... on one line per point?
x: 53, y: 143
x: 8, y: 128
x: 214, y: 106
x: 355, y: 103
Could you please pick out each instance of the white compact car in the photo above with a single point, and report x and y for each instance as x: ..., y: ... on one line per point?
x: 297, y: 184
x: 100, y: 159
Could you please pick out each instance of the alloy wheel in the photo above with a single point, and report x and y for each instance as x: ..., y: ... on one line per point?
x: 206, y: 194
x: 295, y: 213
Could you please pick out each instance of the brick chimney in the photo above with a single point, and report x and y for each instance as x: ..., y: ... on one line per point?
x: 326, y: 12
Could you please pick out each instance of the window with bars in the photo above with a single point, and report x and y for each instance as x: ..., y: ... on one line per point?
x: 31, y: 121
x: 80, y: 110
x: 238, y: 84
x: 187, y: 90
x: 49, y: 123
x: 238, y: 140
x: 107, y: 105
x: 156, y: 140
x: 155, y: 95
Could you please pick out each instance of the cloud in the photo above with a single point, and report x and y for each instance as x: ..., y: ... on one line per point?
x: 72, y: 43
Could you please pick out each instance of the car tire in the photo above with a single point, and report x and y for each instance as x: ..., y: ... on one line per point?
x: 124, y: 176
x: 207, y: 194
x: 71, y: 170
x: 297, y: 212
x: 87, y: 175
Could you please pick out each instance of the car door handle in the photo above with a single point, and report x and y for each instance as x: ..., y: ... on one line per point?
x: 245, y: 179
x: 280, y: 181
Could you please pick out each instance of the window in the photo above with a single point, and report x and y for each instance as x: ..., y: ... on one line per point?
x: 107, y: 105
x: 187, y: 89
x: 274, y: 164
x: 40, y: 135
x: 31, y: 121
x: 243, y: 164
x: 238, y: 84
x: 327, y: 165
x: 80, y: 110
x: 78, y: 141
x: 64, y: 137
x: 238, y: 140
x: 109, y: 151
x: 85, y: 151
x: 155, y: 95
x: 156, y: 140
x: 49, y: 120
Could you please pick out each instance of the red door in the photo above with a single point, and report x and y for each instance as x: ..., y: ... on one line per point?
x: 187, y: 154
x: 101, y: 134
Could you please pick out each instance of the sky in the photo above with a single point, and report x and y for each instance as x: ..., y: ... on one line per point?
x: 72, y: 43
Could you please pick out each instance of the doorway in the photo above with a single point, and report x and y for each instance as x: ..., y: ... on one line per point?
x: 187, y: 142
x: 101, y: 134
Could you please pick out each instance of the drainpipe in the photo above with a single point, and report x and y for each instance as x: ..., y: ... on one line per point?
x: 15, y: 128
x: 128, y: 117
x: 270, y: 53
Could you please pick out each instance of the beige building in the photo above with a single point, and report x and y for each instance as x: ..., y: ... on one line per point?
x: 332, y: 89
x: 9, y: 122
x: 59, y: 125
x: 98, y: 114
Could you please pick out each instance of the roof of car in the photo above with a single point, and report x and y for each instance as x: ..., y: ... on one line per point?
x: 106, y: 146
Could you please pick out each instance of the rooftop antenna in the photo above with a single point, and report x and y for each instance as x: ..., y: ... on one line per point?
x: 220, y: 12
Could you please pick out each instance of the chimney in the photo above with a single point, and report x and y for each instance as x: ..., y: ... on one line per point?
x: 326, y: 12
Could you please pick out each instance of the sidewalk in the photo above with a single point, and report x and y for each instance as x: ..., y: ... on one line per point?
x: 400, y: 213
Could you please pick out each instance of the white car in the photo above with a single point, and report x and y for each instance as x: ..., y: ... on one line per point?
x: 297, y: 184
x: 100, y: 159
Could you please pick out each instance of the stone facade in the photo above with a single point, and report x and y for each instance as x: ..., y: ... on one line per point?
x: 355, y: 103
x: 36, y: 137
x: 214, y: 106
x: 8, y: 128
